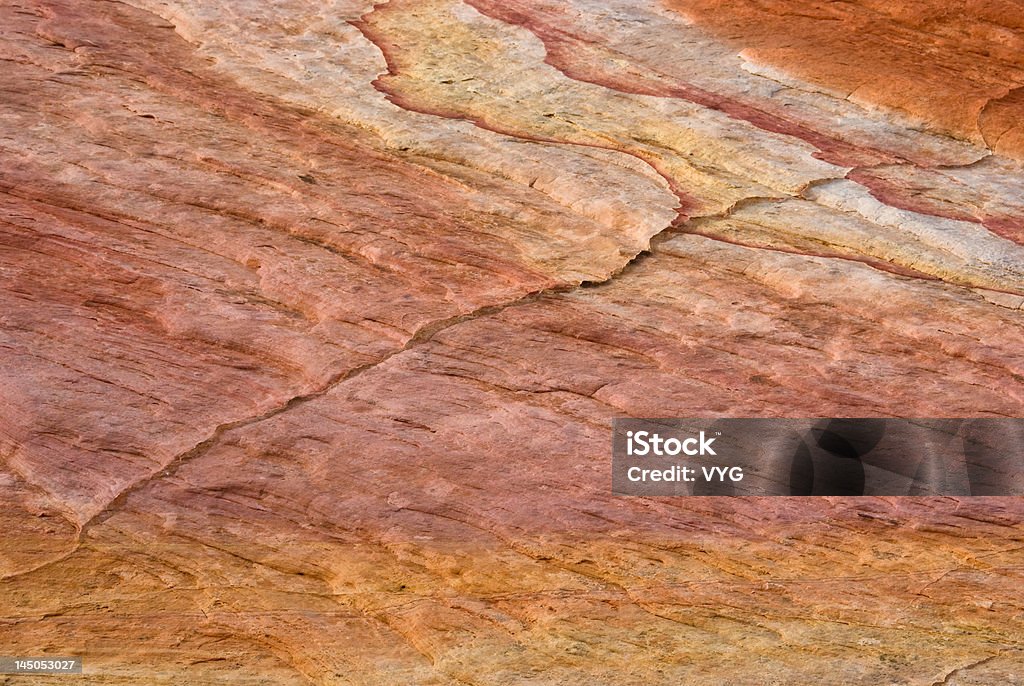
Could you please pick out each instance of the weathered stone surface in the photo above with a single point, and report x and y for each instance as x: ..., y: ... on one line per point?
x: 957, y: 68
x: 315, y: 317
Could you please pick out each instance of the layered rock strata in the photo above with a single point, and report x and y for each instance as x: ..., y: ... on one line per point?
x: 315, y: 317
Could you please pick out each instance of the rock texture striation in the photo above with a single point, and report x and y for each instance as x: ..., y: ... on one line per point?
x: 314, y: 318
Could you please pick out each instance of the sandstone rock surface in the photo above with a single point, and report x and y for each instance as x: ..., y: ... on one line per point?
x: 314, y: 318
x: 953, y: 67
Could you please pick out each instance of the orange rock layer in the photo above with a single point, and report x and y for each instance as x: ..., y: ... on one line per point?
x: 954, y: 67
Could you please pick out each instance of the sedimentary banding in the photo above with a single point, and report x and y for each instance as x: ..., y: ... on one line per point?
x: 314, y: 318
